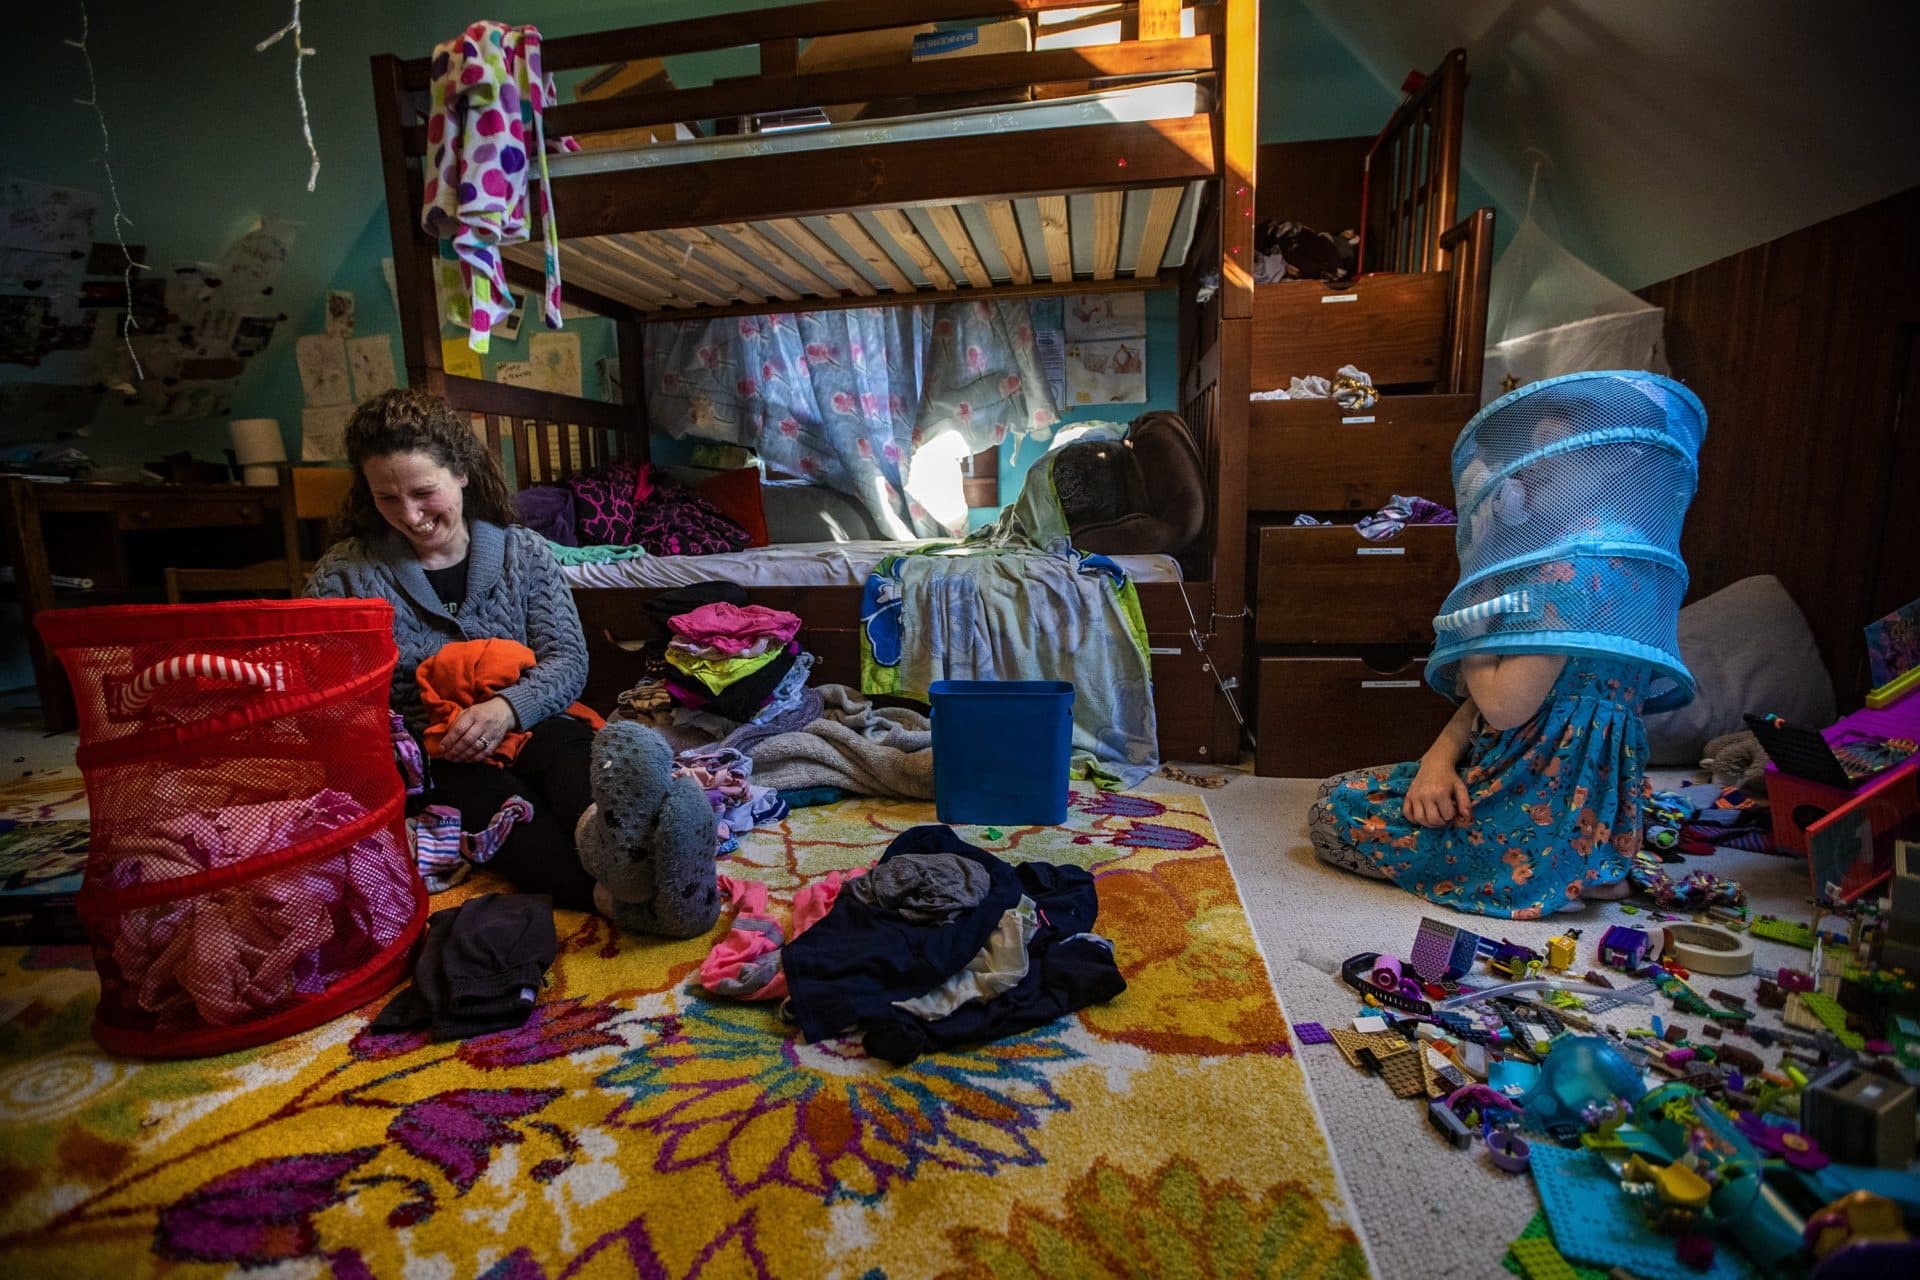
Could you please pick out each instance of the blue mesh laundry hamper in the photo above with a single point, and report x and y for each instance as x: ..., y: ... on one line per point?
x: 1571, y: 494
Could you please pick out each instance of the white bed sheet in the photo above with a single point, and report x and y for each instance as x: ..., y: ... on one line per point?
x: 1163, y: 101
x: 798, y: 564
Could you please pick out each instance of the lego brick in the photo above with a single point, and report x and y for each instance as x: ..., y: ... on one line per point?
x: 1311, y: 1033
x: 1539, y: 1260
x: 1350, y: 1043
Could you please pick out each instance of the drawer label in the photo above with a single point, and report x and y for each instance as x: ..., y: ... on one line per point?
x: 1351, y: 421
x: 1170, y: 651
x: 1340, y: 297
x: 1389, y: 684
x: 1379, y: 551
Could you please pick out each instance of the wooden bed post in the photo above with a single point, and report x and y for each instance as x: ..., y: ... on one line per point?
x: 413, y: 251
x: 1239, y: 27
x: 633, y: 391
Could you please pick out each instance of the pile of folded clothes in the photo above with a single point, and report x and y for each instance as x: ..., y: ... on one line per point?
x: 734, y: 665
x: 732, y: 672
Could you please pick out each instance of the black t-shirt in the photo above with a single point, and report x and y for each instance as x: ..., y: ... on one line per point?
x: 450, y: 584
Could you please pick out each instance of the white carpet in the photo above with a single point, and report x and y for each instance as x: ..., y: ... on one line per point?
x: 1427, y: 1210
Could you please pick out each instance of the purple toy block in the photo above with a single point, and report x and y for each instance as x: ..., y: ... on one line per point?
x: 1311, y: 1033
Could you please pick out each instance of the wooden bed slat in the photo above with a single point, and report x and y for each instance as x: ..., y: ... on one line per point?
x: 532, y: 276
x: 618, y: 277
x: 887, y: 175
x: 543, y: 454
x: 1108, y: 206
x: 896, y: 224
x: 1055, y: 227
x: 848, y: 228
x: 1006, y: 234
x: 680, y: 264
x: 1159, y: 19
x: 1159, y: 229
x: 646, y: 265
x: 947, y: 221
x: 801, y: 237
x: 809, y: 280
x: 754, y: 277
x: 522, y: 454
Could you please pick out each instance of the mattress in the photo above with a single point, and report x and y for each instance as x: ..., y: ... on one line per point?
x: 802, y: 564
x: 1131, y: 104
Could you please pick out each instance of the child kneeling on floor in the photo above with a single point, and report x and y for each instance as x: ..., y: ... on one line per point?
x: 1528, y: 813
x: 1560, y: 633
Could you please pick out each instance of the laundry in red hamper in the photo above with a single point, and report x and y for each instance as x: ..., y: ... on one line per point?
x: 234, y: 953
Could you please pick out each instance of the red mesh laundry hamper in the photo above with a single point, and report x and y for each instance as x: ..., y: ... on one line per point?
x: 248, y: 874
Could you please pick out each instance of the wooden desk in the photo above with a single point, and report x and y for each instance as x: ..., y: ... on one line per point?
x: 81, y: 530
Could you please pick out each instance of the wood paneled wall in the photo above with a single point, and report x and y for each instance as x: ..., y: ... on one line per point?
x: 1804, y: 352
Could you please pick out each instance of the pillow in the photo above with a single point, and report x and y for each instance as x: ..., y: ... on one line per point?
x: 675, y: 521
x: 736, y: 495
x: 606, y: 500
x: 547, y: 509
x: 1096, y: 481
x: 1750, y: 650
x: 801, y: 511
x: 1168, y: 509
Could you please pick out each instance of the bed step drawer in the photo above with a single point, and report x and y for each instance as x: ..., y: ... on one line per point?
x: 1328, y: 585
x: 1322, y: 716
x: 1392, y: 326
x: 1306, y: 455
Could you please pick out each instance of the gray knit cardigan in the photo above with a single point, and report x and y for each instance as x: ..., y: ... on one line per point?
x: 515, y: 591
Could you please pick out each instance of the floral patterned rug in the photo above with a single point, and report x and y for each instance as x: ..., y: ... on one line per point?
x: 634, y: 1127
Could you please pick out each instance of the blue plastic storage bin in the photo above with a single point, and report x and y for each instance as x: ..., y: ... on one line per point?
x: 1001, y: 750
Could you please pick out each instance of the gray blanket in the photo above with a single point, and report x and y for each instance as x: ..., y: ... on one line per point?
x: 854, y: 745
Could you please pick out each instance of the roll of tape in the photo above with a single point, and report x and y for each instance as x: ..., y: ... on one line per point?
x: 1707, y: 948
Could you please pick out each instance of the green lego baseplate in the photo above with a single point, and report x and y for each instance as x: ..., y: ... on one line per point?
x: 1833, y: 1018
x: 1775, y: 929
x: 1538, y: 1231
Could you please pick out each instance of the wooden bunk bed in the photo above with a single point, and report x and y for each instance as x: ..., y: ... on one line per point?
x: 643, y: 244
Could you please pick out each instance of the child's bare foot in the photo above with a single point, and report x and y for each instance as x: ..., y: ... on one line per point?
x: 1612, y: 891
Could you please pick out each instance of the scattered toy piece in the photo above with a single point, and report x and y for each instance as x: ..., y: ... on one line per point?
x: 1311, y: 1033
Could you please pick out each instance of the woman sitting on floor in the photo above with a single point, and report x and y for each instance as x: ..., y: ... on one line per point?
x: 431, y: 530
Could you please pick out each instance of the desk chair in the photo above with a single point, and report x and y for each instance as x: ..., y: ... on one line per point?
x: 306, y: 494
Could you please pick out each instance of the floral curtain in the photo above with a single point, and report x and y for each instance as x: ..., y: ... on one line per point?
x: 880, y: 403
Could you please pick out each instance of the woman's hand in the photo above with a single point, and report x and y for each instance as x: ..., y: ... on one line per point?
x: 1437, y: 796
x: 475, y: 732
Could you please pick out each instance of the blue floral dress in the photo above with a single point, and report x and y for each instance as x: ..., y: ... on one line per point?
x: 1556, y: 805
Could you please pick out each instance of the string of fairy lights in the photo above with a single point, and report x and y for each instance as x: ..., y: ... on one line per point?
x: 120, y: 219
x: 92, y: 100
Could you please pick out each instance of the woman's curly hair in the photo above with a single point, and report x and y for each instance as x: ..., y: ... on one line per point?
x: 408, y: 421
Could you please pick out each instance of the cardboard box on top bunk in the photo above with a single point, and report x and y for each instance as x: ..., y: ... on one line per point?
x: 642, y: 75
x: 922, y: 42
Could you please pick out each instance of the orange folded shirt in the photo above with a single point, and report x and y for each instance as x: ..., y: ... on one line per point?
x: 467, y: 672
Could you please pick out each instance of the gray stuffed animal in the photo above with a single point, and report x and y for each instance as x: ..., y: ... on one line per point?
x: 648, y: 839
x: 1737, y: 760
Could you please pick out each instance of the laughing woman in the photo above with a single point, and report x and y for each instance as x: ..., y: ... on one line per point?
x: 429, y: 528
